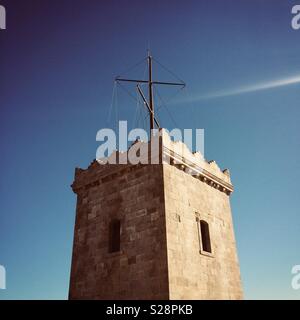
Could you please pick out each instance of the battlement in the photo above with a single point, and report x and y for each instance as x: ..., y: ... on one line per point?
x: 161, y: 150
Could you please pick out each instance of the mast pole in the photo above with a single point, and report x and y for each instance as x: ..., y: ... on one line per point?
x: 150, y: 86
x: 150, y: 82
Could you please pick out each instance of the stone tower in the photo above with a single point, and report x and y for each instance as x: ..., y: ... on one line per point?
x: 155, y: 231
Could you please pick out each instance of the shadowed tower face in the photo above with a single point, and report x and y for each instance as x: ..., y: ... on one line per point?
x: 154, y: 231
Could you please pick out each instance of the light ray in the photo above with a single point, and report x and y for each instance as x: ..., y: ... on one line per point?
x: 248, y: 89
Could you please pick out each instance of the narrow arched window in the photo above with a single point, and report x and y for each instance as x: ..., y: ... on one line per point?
x: 114, y: 235
x: 205, y: 237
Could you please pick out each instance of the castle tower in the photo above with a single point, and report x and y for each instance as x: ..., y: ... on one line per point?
x: 155, y: 231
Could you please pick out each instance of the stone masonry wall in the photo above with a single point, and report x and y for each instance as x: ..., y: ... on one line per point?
x: 193, y: 275
x: 133, y: 194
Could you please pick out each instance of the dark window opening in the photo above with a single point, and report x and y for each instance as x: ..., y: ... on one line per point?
x: 114, y: 236
x: 205, y: 238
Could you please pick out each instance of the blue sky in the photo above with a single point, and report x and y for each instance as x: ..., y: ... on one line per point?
x: 58, y: 60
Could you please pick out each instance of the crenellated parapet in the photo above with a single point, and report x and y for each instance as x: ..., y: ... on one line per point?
x: 177, y: 153
x: 161, y: 150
